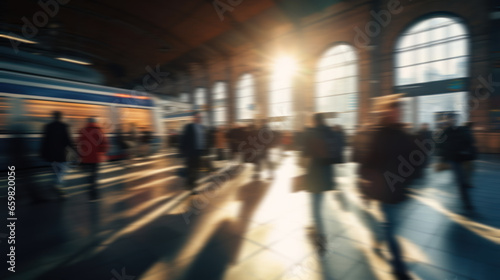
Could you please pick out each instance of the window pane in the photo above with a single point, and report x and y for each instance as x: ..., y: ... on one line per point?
x: 457, y: 48
x: 422, y: 55
x: 438, y: 52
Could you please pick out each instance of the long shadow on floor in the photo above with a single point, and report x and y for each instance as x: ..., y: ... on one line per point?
x: 222, y: 248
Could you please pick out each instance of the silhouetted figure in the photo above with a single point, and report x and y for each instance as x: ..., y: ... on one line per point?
x: 385, y: 171
x: 265, y: 138
x: 318, y: 148
x: 192, y: 147
x: 121, y: 142
x: 424, y: 134
x: 55, y: 142
x: 457, y: 149
x: 220, y: 142
x: 233, y: 136
x: 146, y: 138
x: 468, y: 165
x: 92, y: 146
x: 133, y: 141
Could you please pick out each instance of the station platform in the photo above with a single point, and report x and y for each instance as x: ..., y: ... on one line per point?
x: 148, y: 226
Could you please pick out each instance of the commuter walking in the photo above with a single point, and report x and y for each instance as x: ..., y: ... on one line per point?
x: 220, y: 142
x: 92, y: 146
x: 381, y: 176
x: 232, y: 136
x: 458, y: 150
x: 133, y: 141
x: 319, y: 148
x: 192, y: 147
x: 55, y: 144
x: 424, y: 134
x: 264, y: 140
x: 121, y: 143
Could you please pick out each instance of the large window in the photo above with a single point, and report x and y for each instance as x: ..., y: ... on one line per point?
x: 431, y: 62
x: 432, y: 50
x: 219, y: 104
x: 245, y: 98
x: 337, y: 86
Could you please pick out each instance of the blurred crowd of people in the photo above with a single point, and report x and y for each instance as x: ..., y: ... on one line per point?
x: 390, y: 157
x: 85, y: 152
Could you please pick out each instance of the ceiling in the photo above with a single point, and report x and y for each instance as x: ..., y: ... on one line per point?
x: 121, y: 38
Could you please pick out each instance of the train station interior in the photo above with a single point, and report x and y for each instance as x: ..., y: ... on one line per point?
x: 238, y: 139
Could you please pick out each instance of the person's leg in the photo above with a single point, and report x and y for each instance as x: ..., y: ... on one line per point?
x: 190, y: 176
x: 59, y: 169
x: 388, y: 225
x: 92, y: 169
x: 461, y: 182
x: 316, y: 205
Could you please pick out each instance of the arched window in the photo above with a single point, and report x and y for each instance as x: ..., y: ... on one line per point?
x: 337, y: 86
x: 431, y: 62
x: 219, y: 104
x: 245, y: 98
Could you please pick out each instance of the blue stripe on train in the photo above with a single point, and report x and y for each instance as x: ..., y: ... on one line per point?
x: 57, y: 93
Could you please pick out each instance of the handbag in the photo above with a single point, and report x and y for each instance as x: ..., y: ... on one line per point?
x: 299, y: 183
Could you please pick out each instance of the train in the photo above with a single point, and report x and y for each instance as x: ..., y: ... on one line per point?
x: 28, y: 101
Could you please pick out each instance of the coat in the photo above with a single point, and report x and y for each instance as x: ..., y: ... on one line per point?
x: 458, y: 145
x: 92, y: 144
x: 187, y: 145
x: 55, y: 141
x: 319, y: 176
x: 387, y: 165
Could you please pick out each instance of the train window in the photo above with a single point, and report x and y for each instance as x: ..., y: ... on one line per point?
x: 142, y: 119
x: 39, y: 113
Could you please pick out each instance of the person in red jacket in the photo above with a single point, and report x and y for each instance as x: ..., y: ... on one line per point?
x: 92, y: 146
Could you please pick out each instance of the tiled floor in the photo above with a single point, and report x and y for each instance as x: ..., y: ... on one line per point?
x: 148, y: 227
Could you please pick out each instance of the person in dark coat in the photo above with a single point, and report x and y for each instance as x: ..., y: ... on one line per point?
x: 424, y: 134
x: 232, y: 136
x: 457, y: 149
x: 264, y: 139
x: 92, y: 147
x: 385, y: 171
x: 192, y: 147
x: 319, y: 177
x: 55, y: 142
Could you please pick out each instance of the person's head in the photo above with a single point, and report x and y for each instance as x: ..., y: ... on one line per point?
x: 196, y: 117
x: 318, y: 119
x: 92, y: 120
x: 57, y: 115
